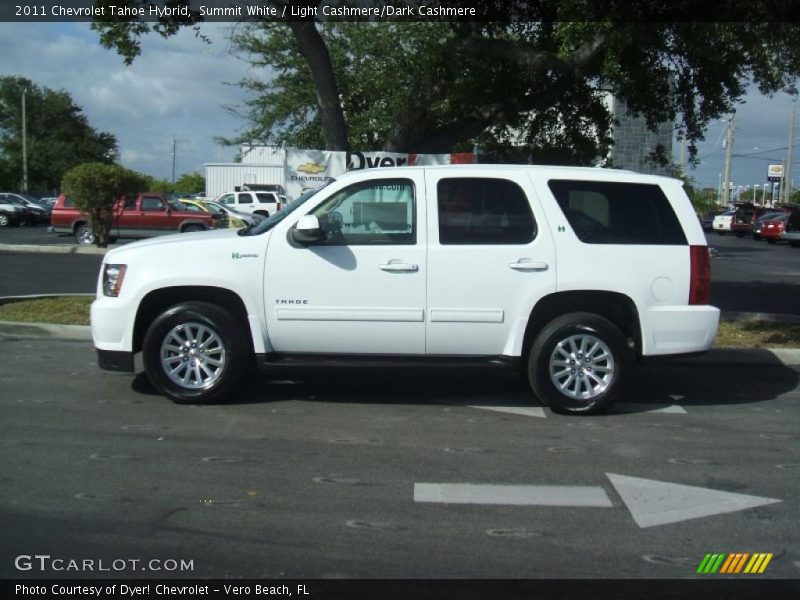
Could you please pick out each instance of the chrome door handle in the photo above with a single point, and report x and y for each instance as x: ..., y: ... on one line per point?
x: 400, y: 266
x: 529, y: 265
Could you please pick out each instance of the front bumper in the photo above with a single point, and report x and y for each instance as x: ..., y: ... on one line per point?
x: 111, y: 360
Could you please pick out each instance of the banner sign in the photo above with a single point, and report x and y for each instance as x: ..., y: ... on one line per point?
x: 308, y: 169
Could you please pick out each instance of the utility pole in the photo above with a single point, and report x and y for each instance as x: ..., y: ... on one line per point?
x: 726, y: 179
x: 24, y: 144
x: 174, y: 142
x: 787, y: 172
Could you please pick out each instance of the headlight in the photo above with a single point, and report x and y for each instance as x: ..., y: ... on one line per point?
x: 112, y: 279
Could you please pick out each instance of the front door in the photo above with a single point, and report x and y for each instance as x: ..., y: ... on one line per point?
x: 360, y: 290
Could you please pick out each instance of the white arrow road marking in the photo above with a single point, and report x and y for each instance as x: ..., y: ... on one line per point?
x: 621, y: 407
x: 516, y: 495
x: 630, y: 407
x: 658, y: 502
x: 526, y: 411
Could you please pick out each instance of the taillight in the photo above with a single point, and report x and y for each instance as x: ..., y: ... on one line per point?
x: 700, y: 284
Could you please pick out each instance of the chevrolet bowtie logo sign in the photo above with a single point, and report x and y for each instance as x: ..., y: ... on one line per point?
x: 311, y: 168
x: 735, y: 563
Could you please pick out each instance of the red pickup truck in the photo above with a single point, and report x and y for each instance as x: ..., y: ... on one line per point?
x: 135, y: 216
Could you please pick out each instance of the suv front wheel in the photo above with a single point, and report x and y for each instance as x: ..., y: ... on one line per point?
x: 577, y: 364
x: 193, y: 353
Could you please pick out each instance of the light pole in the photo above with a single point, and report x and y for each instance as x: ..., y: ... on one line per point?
x: 726, y: 191
x: 24, y: 144
x: 787, y: 173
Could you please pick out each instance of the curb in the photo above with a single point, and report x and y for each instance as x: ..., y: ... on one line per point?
x: 45, y: 331
x: 54, y: 249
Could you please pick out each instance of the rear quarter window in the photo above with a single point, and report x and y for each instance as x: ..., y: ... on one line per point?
x: 602, y: 212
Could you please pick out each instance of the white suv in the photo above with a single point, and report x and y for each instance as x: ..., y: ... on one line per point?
x: 260, y: 203
x: 572, y: 272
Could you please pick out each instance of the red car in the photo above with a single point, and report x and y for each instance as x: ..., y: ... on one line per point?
x: 772, y: 229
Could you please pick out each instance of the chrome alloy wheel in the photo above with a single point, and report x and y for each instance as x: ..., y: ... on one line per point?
x: 581, y: 367
x: 193, y: 356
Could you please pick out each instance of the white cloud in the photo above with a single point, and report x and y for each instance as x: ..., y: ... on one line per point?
x: 176, y: 88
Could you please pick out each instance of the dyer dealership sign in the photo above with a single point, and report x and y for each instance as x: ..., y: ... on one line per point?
x: 310, y: 168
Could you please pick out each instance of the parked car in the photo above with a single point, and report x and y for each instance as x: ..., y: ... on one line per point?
x: 722, y: 222
x: 11, y: 213
x: 135, y: 216
x: 791, y: 233
x: 250, y: 219
x: 416, y: 265
x: 260, y: 203
x: 759, y: 222
x: 772, y: 229
x: 707, y: 220
x: 196, y: 206
x: 34, y: 213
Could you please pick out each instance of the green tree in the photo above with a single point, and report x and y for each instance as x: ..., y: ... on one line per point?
x: 532, y: 87
x: 59, y: 136
x: 191, y: 183
x: 95, y: 188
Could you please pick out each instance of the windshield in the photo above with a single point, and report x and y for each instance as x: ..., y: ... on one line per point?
x: 216, y: 208
x: 279, y: 216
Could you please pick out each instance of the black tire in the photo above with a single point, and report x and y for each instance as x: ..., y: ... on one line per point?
x: 587, y: 396
x: 84, y: 235
x: 188, y: 321
x: 5, y: 220
x: 190, y: 228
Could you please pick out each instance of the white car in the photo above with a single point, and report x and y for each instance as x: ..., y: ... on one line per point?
x: 572, y: 272
x: 722, y: 223
x: 259, y: 203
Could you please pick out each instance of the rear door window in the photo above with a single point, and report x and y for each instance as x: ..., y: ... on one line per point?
x: 602, y: 212
x: 475, y: 210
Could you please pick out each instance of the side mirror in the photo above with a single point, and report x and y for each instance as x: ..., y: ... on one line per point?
x: 307, y: 231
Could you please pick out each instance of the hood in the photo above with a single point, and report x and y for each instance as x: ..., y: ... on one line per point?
x: 183, y: 242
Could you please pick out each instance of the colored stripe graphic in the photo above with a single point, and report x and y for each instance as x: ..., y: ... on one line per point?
x: 735, y: 563
x: 711, y: 563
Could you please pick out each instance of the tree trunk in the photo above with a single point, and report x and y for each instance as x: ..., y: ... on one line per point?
x: 334, y: 128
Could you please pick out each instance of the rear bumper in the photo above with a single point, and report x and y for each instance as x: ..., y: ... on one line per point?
x: 670, y: 330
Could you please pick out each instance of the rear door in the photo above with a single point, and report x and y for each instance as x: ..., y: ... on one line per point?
x: 490, y: 258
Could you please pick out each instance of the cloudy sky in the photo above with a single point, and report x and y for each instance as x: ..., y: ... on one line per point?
x: 179, y: 87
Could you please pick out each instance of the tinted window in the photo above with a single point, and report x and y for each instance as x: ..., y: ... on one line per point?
x: 618, y: 213
x: 263, y: 197
x: 152, y: 203
x: 483, y: 211
x: 374, y: 212
x: 244, y: 199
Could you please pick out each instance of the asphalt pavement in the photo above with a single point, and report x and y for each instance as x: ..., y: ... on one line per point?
x: 396, y: 474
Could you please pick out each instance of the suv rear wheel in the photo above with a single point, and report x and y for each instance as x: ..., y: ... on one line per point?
x: 193, y: 353
x: 577, y: 364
